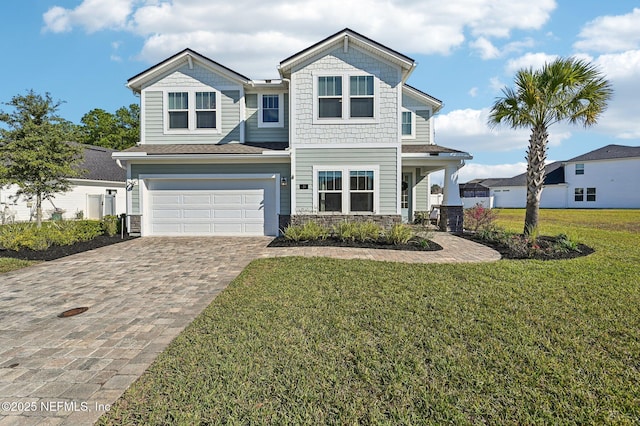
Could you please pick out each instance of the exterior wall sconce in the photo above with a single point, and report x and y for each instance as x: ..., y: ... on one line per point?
x: 283, y: 181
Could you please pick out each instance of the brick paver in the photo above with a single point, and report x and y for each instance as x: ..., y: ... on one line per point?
x: 141, y: 294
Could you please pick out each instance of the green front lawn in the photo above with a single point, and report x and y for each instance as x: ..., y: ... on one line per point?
x: 316, y: 341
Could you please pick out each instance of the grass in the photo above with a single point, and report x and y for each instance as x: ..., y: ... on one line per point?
x: 326, y: 341
x: 8, y: 264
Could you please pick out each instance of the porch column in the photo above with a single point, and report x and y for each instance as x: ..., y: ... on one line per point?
x: 451, y: 212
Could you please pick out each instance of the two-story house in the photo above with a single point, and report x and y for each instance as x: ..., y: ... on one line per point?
x: 338, y: 135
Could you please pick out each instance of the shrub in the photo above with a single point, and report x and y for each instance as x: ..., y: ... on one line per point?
x: 565, y: 244
x: 309, y: 231
x: 61, y: 233
x: 479, y: 217
x: 398, y: 234
x: 345, y: 231
x: 110, y: 225
x: 367, y: 231
x: 421, y: 218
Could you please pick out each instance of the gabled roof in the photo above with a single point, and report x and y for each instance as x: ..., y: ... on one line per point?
x: 97, y: 164
x: 553, y: 174
x: 186, y: 56
x: 348, y: 36
x: 608, y: 152
x: 435, y: 103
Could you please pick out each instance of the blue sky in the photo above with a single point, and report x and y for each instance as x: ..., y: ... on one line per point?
x: 83, y: 52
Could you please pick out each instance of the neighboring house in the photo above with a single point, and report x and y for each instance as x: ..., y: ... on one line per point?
x: 607, y: 177
x: 99, y: 191
x: 339, y: 135
x: 477, y: 191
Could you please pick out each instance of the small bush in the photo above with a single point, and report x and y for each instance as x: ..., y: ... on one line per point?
x: 110, y: 225
x: 345, y: 231
x: 479, y: 217
x: 398, y: 234
x: 307, y: 232
x: 421, y: 218
x: 565, y: 244
x: 367, y: 231
x: 60, y: 233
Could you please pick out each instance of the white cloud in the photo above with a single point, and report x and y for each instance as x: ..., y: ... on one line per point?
x: 529, y: 60
x: 92, y: 15
x: 623, y: 70
x: 230, y: 32
x: 496, y: 84
x: 485, y: 48
x: 608, y: 34
x: 467, y: 130
x: 473, y: 92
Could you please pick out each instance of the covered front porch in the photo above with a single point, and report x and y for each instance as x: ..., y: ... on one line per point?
x: 418, y: 163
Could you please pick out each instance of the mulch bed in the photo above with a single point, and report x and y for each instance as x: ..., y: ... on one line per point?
x: 414, y: 244
x: 56, y: 252
x: 544, y: 242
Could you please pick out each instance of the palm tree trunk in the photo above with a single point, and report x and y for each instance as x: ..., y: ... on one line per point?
x: 536, y: 156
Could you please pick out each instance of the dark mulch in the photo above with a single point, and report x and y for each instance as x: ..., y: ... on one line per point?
x: 545, y: 251
x: 414, y: 244
x: 56, y: 252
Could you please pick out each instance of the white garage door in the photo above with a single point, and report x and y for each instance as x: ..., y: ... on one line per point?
x: 211, y: 207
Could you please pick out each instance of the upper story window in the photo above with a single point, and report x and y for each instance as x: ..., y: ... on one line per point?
x: 178, y: 110
x: 205, y: 110
x: 345, y: 98
x: 361, y: 95
x: 407, y: 123
x: 579, y: 169
x: 192, y: 110
x: 270, y: 110
x: 330, y: 97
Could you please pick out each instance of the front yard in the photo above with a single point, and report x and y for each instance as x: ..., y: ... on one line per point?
x: 314, y: 341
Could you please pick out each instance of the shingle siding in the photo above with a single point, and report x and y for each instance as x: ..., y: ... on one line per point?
x: 385, y: 130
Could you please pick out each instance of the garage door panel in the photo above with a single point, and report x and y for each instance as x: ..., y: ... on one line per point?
x: 166, y: 199
x: 166, y: 214
x: 197, y: 199
x: 204, y: 213
x: 197, y: 228
x: 212, y: 207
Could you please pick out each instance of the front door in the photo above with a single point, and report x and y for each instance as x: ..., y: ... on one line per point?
x: 405, y: 198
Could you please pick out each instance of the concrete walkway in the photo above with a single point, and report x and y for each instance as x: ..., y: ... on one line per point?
x: 141, y: 294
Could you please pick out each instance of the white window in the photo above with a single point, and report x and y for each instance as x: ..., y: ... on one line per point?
x: 345, y: 98
x: 591, y: 194
x: 192, y: 110
x: 361, y: 96
x: 578, y: 194
x: 330, y: 97
x: 351, y: 189
x: 178, y: 110
x: 408, y: 124
x: 361, y: 190
x: 270, y: 110
x: 330, y: 191
x: 579, y: 169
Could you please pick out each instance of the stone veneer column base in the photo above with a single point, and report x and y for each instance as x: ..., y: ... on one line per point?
x: 134, y: 224
x: 452, y: 219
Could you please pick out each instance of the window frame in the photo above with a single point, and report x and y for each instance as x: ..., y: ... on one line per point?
x: 578, y: 195
x: 579, y: 169
x: 352, y: 96
x: 192, y: 111
x: 413, y: 114
x: 345, y: 98
x: 346, y: 187
x: 260, y: 112
x: 590, y: 195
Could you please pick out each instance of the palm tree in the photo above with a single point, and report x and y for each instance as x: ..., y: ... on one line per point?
x: 566, y: 89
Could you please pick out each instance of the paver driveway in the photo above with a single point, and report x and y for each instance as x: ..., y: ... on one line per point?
x: 140, y: 295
